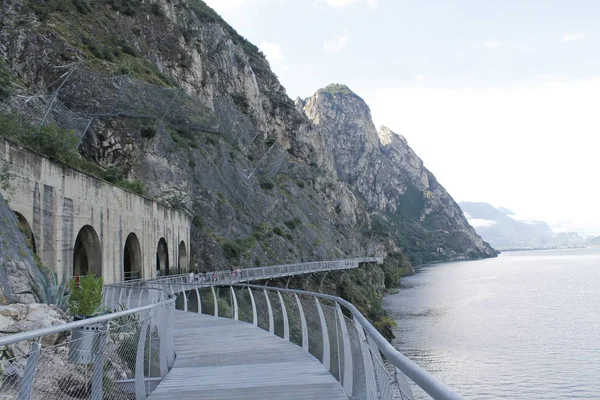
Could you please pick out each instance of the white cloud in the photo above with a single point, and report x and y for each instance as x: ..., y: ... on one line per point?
x: 338, y: 42
x: 420, y: 78
x: 481, y: 223
x: 569, y: 37
x: 345, y: 3
x: 272, y: 51
x: 490, y: 44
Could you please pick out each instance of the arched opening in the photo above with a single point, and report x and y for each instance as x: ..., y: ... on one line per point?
x: 183, y: 258
x: 87, y: 257
x: 162, y: 257
x: 26, y: 230
x: 132, y: 258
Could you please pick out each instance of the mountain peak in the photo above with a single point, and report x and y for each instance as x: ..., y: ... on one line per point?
x: 337, y: 88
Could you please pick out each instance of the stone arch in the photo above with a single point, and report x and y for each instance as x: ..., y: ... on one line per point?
x: 162, y: 256
x: 183, y: 257
x: 26, y: 230
x: 87, y: 256
x: 132, y: 258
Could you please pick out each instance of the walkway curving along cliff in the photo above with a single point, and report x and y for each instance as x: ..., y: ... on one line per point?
x: 260, y: 342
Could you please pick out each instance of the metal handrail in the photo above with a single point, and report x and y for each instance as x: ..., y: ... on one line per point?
x: 273, y: 271
x: 418, y: 375
x: 18, y: 337
x: 422, y: 378
x: 137, y: 341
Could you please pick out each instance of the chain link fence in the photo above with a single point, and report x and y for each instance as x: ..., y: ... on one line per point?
x: 118, y: 356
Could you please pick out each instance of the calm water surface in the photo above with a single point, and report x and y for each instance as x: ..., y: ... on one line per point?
x: 523, y: 326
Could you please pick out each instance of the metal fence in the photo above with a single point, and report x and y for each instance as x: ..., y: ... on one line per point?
x: 259, y: 273
x: 328, y: 327
x: 121, y: 355
x: 80, y: 95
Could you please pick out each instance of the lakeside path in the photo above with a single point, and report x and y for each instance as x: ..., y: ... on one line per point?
x: 219, y: 358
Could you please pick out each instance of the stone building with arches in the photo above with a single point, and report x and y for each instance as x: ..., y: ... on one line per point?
x: 79, y: 224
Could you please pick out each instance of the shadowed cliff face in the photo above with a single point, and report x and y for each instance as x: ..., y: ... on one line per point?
x: 20, y: 279
x: 266, y: 180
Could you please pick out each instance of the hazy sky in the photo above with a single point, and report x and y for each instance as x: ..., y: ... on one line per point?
x: 501, y: 99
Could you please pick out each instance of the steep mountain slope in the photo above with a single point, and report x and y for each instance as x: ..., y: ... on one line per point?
x: 181, y: 102
x: 500, y: 227
x: 408, y: 204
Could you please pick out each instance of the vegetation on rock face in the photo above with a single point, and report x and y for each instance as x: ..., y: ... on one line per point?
x: 336, y: 88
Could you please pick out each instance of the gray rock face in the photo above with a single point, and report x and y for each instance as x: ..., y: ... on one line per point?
x: 19, y: 276
x: 17, y: 318
x: 386, y: 172
x: 267, y: 180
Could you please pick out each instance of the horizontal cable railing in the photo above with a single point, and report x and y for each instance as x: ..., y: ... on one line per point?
x: 328, y: 327
x: 119, y: 355
x: 261, y: 273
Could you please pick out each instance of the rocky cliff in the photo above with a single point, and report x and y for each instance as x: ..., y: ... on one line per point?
x: 406, y: 202
x: 180, y: 102
x: 20, y: 279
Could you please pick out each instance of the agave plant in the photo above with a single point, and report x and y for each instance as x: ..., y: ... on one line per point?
x: 56, y: 293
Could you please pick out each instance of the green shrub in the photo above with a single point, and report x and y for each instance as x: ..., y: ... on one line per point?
x: 135, y: 186
x: 83, y: 6
x: 112, y: 174
x: 278, y: 231
x: 232, y: 251
x: 55, y: 292
x: 58, y: 144
x: 266, y: 183
x: 198, y: 221
x: 86, y: 298
x: 293, y: 223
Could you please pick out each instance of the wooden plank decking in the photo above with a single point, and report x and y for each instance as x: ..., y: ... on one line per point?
x: 219, y: 358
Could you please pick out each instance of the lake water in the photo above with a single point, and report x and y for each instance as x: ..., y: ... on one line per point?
x: 525, y: 325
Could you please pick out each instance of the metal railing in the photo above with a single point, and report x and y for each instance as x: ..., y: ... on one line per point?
x: 328, y: 327
x: 261, y: 273
x: 114, y: 356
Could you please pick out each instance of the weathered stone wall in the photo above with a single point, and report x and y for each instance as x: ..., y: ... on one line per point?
x: 58, y: 201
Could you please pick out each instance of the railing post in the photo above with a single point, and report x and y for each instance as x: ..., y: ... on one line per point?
x: 270, y: 309
x: 163, y: 320
x: 216, y: 303
x: 140, y: 384
x: 129, y: 298
x: 325, y: 333
x: 199, y: 301
x: 98, y: 367
x: 254, y: 315
x: 185, y: 305
x: 235, y: 303
x: 347, y: 381
x: 286, y: 325
x: 29, y: 373
x: 170, y: 343
x: 303, y: 322
x: 140, y: 298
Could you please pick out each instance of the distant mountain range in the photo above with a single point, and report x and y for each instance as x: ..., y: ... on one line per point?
x: 501, y: 228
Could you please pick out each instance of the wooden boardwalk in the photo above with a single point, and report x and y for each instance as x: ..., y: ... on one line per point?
x: 219, y: 358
